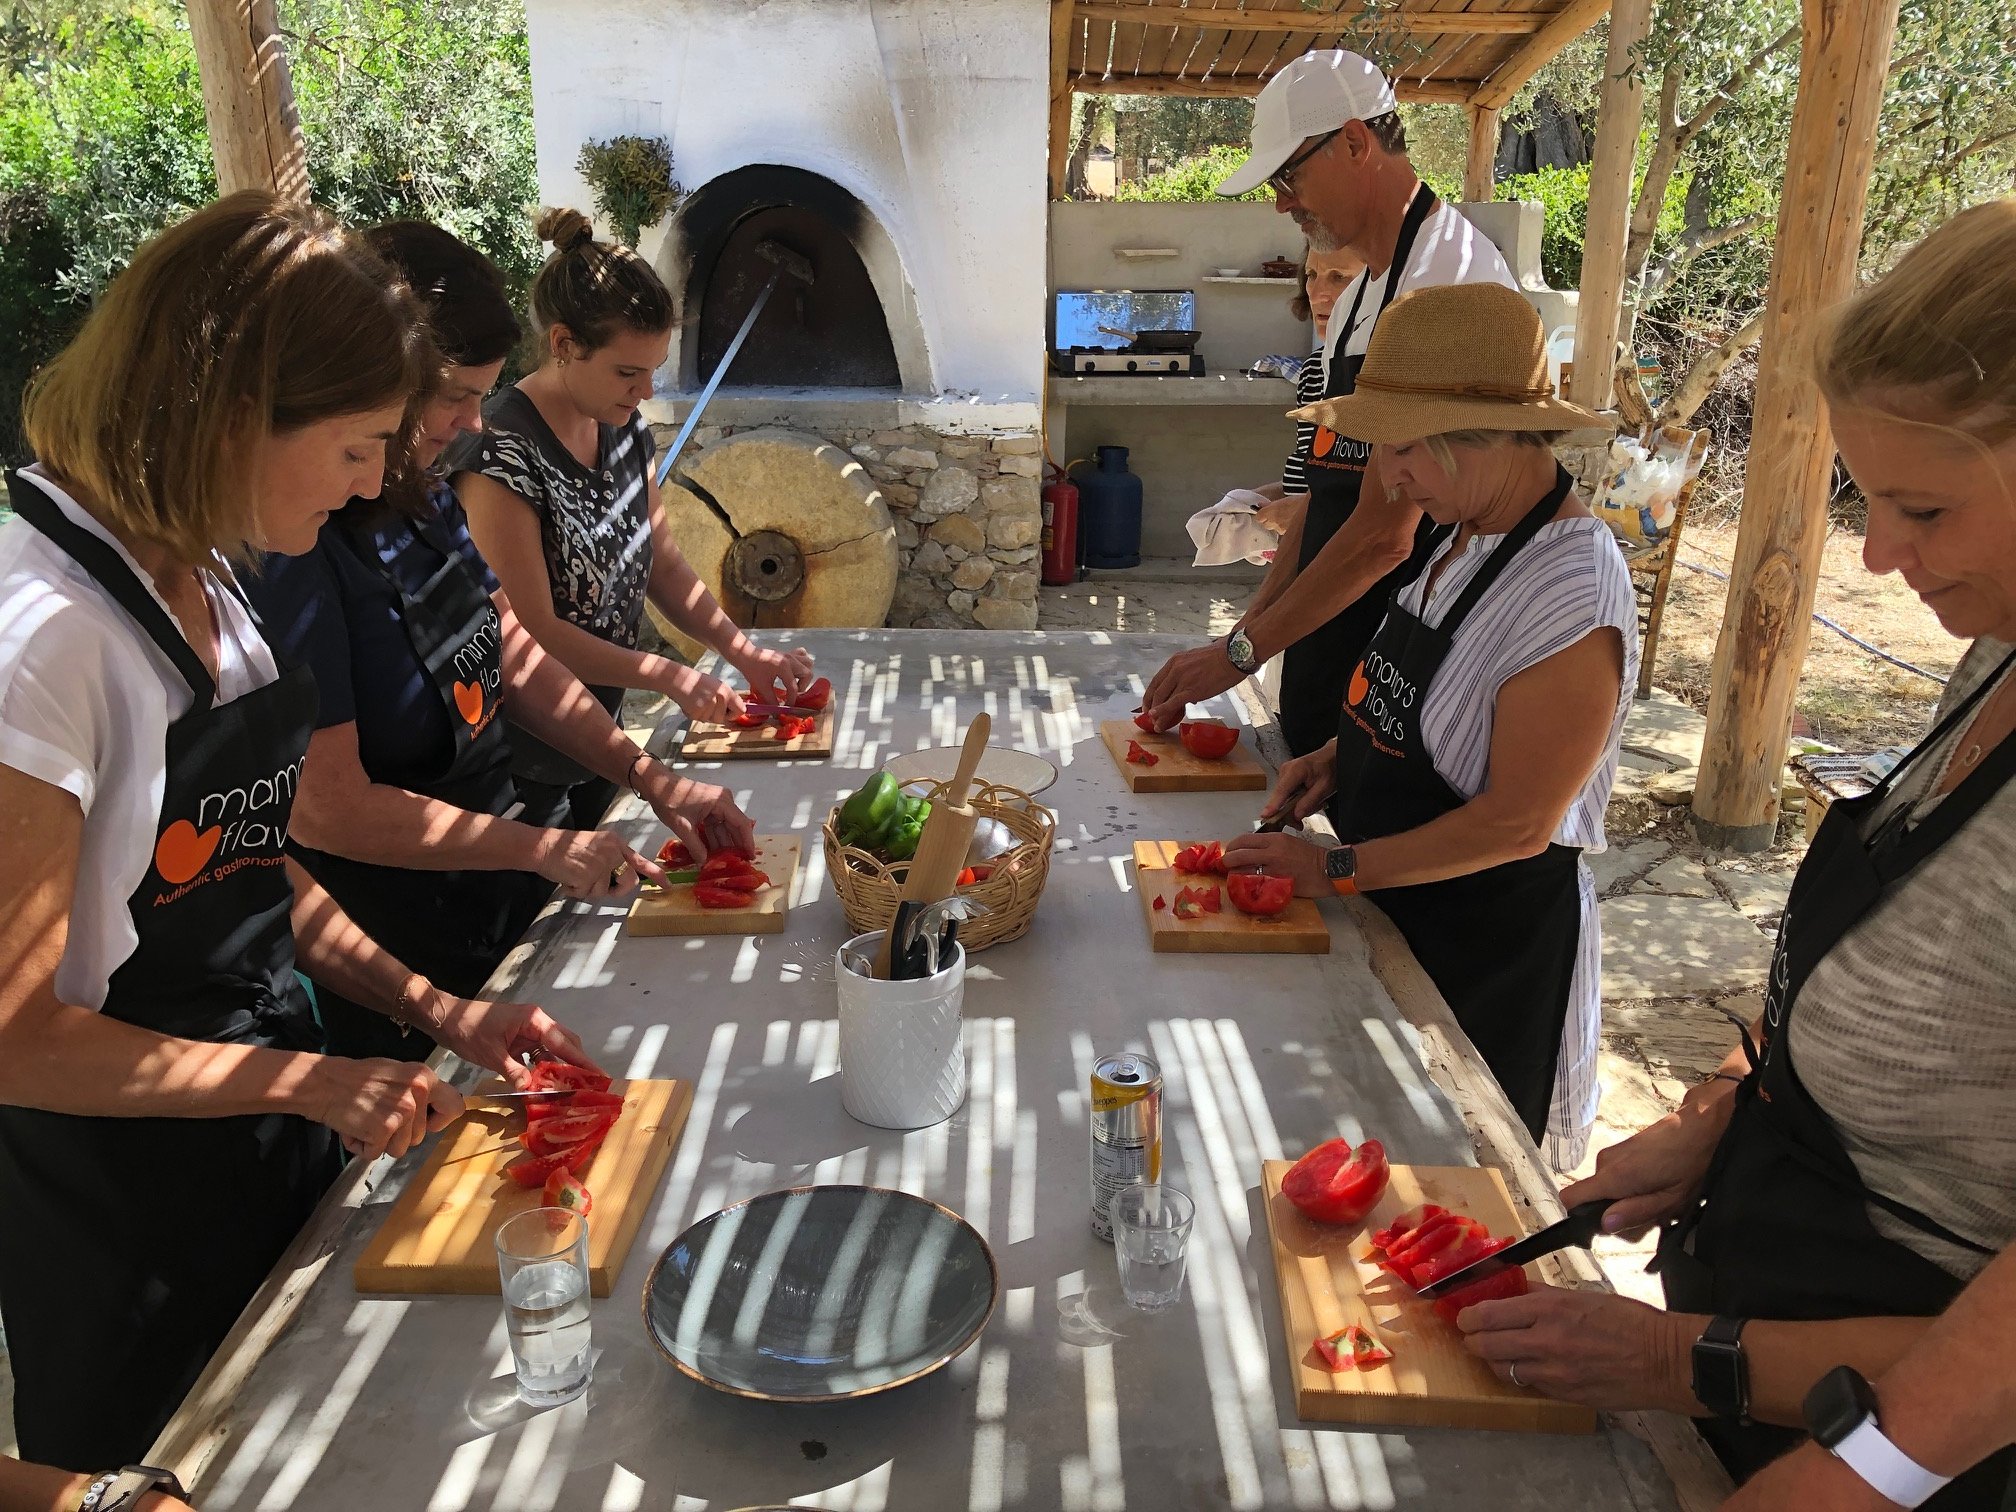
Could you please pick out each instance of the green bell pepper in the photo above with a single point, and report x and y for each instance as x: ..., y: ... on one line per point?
x: 867, y: 817
x: 902, y: 843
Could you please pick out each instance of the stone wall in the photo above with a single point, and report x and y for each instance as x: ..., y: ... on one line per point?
x: 968, y: 516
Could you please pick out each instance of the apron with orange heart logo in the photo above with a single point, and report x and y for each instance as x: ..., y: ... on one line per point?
x: 130, y: 1245
x: 453, y: 927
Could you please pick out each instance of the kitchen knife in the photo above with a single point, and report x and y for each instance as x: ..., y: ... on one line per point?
x: 1278, y: 823
x: 777, y: 710
x: 1583, y: 1223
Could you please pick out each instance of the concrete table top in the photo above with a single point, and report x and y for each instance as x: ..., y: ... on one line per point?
x: 1068, y: 1400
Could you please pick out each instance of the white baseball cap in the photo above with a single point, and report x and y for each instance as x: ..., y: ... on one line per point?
x: 1316, y: 93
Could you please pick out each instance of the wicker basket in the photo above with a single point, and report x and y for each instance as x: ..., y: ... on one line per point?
x: 869, y: 888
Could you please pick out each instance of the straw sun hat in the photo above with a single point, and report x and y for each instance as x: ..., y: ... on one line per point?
x: 1454, y: 358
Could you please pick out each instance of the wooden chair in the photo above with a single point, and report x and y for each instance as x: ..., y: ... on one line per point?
x: 1652, y: 566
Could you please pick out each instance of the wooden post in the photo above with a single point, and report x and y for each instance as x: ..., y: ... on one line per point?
x: 1479, y: 166
x: 1765, y: 625
x: 248, y: 97
x: 1062, y: 24
x: 1619, y: 118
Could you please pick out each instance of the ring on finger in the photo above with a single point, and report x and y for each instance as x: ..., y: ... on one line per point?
x: 1512, y: 1373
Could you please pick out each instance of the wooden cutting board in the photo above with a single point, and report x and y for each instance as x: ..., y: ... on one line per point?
x: 1299, y: 930
x: 673, y: 911
x: 441, y: 1235
x: 1433, y: 1381
x: 1176, y: 770
x: 715, y: 742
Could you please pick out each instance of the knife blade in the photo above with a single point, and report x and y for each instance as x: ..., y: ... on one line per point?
x: 1278, y: 823
x: 1583, y: 1223
x: 517, y: 1096
x: 777, y: 709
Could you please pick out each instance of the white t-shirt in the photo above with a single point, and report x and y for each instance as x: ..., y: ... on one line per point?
x: 86, y: 698
x: 1448, y: 250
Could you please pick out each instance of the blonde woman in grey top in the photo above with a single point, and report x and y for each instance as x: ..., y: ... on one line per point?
x: 1832, y: 1189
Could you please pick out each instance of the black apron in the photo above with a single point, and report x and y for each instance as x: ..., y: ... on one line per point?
x: 1782, y: 1227
x: 1313, y: 670
x: 452, y: 927
x: 1499, y: 943
x: 129, y: 1246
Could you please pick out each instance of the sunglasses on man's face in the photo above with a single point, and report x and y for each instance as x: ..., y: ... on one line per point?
x: 1283, y: 178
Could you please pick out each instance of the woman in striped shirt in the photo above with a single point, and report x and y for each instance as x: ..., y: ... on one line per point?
x: 1324, y: 276
x: 1478, y: 739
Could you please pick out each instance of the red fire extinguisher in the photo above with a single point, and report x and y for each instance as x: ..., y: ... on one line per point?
x: 1060, y: 529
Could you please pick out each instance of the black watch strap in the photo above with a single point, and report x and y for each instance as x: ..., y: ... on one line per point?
x: 136, y: 1482
x: 1721, y: 1373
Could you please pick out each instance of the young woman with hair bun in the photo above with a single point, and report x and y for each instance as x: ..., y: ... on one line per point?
x: 561, y: 500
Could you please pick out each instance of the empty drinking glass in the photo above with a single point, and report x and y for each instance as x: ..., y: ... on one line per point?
x: 1151, y: 1235
x: 542, y: 1260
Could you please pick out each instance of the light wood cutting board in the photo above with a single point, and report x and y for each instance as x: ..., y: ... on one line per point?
x: 1433, y: 1381
x: 673, y: 911
x: 1176, y: 770
x: 441, y: 1235
x: 714, y: 742
x: 1299, y: 930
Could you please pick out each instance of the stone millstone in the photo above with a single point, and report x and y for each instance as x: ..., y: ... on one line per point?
x: 808, y: 539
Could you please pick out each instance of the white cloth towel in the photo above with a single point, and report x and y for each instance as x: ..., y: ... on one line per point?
x: 1228, y: 532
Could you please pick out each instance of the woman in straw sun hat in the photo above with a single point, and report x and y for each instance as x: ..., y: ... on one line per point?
x: 1478, y: 738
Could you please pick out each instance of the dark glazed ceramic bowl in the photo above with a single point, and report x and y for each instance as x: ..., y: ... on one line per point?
x: 820, y: 1294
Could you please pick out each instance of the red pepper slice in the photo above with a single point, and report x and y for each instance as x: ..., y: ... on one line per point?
x: 1260, y: 894
x: 564, y: 1190
x: 1334, y: 1183
x: 1207, y: 739
x: 1140, y: 757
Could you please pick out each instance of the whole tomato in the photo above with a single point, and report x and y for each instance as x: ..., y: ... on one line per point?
x: 1260, y: 894
x: 1334, y: 1183
x: 1207, y: 739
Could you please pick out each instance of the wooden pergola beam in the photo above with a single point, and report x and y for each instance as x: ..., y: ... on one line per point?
x: 1426, y: 23
x: 1061, y: 22
x: 248, y: 97
x: 1481, y: 160
x: 1413, y: 92
x: 1620, y: 117
x: 1561, y: 28
x: 1762, y: 647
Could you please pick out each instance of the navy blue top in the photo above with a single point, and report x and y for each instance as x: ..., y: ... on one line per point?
x: 334, y: 610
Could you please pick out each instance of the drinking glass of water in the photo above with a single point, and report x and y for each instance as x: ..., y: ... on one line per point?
x: 1151, y: 1236
x: 542, y: 1259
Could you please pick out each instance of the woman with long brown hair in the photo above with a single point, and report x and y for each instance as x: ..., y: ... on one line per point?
x: 168, y: 1116
x: 562, y: 502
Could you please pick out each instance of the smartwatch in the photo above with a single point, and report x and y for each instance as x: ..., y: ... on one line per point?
x: 1239, y: 652
x: 1721, y: 1373
x: 1340, y: 865
x: 1840, y: 1413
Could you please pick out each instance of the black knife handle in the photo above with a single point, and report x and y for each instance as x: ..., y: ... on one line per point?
x: 1586, y: 1220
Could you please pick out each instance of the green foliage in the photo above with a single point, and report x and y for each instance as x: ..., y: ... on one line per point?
x: 631, y: 177
x: 409, y: 108
x: 1563, y: 197
x: 1195, y: 181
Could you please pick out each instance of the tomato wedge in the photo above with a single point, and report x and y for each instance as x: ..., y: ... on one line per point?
x: 815, y: 697
x: 564, y: 1190
x: 545, y: 1106
x: 1366, y: 1350
x: 557, y: 1131
x: 749, y: 721
x: 561, y: 1076
x: 1208, y: 739
x: 1140, y: 757
x: 1334, y: 1359
x: 533, y: 1170
x: 674, y: 856
x: 1144, y: 722
x: 1160, y: 903
x: 1260, y: 894
x: 1204, y: 859
x: 1334, y: 1183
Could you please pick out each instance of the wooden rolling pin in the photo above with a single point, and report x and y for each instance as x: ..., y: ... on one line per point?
x: 941, y: 848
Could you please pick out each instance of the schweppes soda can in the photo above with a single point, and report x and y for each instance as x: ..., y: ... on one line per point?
x: 1126, y: 1130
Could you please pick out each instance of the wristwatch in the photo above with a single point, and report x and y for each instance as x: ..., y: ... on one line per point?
x: 123, y: 1490
x: 1340, y: 865
x: 1721, y: 1373
x: 1239, y: 651
x: 1840, y: 1413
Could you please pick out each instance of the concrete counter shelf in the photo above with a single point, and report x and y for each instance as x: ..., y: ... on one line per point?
x: 1150, y: 389
x: 1245, y: 278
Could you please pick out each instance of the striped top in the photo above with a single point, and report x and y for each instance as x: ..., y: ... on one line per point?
x: 1569, y: 581
x: 1309, y: 385
x: 1905, y: 1032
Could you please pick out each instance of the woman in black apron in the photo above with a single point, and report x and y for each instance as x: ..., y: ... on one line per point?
x: 410, y: 813
x: 1500, y: 934
x: 1846, y: 1172
x: 166, y: 1129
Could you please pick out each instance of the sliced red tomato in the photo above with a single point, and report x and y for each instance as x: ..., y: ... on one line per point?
x: 1334, y: 1183
x: 564, y: 1190
x: 1366, y: 1350
x: 1207, y: 739
x: 560, y: 1076
x: 749, y: 721
x: 790, y: 727
x: 1259, y: 894
x: 537, y: 1108
x: 1145, y: 722
x: 1160, y: 903
x: 533, y: 1170
x: 1334, y: 1358
x: 1187, y: 905
x: 1140, y: 757
x: 1204, y: 859
x: 1211, y: 899
x: 723, y: 863
x: 714, y: 895
x: 674, y: 856
x: 815, y: 697
x: 559, y: 1130
x: 1405, y: 1224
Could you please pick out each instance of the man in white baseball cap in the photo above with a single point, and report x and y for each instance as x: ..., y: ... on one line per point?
x: 1327, y: 138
